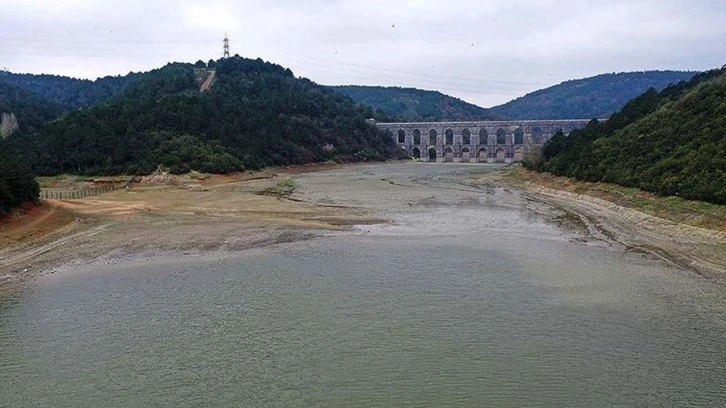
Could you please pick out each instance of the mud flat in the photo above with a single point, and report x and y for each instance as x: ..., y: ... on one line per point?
x: 676, y: 236
x: 584, y: 217
x: 165, y: 216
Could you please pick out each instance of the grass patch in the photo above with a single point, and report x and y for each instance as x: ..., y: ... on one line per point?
x: 694, y: 213
x: 282, y: 189
x: 571, y: 221
x: 195, y: 175
x: 70, y: 181
x: 48, y: 181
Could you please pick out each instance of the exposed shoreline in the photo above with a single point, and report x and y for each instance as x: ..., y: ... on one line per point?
x: 181, y: 217
x: 700, y: 250
x: 164, y: 217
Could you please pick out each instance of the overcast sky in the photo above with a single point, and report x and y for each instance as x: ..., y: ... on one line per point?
x: 483, y: 51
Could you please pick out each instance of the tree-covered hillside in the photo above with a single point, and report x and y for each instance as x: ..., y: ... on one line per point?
x: 415, y: 105
x: 596, y: 97
x: 256, y: 114
x: 670, y: 143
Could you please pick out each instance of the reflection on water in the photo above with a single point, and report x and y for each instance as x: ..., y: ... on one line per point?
x: 502, y: 312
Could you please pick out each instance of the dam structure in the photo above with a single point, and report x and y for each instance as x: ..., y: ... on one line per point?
x: 471, y: 142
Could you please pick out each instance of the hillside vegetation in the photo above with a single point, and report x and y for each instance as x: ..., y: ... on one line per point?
x: 415, y: 105
x: 671, y: 143
x: 595, y: 97
x: 256, y: 114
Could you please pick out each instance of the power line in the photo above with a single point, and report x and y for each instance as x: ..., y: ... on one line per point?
x: 355, y: 71
x: 226, y: 46
x: 97, y: 40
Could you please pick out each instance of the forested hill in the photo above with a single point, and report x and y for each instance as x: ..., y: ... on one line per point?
x: 595, y: 97
x: 670, y: 143
x: 256, y: 114
x: 415, y: 105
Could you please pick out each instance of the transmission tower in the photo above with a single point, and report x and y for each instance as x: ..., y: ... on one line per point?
x: 226, y: 46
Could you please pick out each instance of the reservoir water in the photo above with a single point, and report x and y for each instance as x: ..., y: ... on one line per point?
x: 470, y: 298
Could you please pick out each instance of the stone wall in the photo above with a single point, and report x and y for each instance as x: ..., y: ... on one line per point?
x: 486, y: 141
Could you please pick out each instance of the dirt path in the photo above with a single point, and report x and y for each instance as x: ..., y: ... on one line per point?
x: 207, y: 84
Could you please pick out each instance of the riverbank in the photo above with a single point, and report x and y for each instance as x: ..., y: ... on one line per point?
x: 165, y: 216
x: 690, y: 234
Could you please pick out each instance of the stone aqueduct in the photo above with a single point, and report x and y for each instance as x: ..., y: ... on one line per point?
x: 486, y: 141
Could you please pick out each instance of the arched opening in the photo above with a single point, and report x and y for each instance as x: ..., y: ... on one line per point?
x: 448, y: 155
x: 483, y: 136
x: 465, y: 155
x: 537, y: 134
x: 482, y: 155
x: 466, y: 136
x: 416, y: 137
x: 401, y: 136
x: 501, y: 136
x: 518, y: 136
x: 432, y: 154
x: 416, y: 153
x: 518, y: 155
x: 500, y: 156
x: 432, y: 136
x: 449, y: 136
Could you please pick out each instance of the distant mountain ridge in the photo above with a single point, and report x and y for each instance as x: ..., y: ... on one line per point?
x: 415, y: 105
x: 594, y: 97
x: 597, y: 96
x: 70, y: 93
